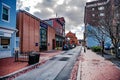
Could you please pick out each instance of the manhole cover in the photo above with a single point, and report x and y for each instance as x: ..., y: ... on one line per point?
x: 69, y: 54
x: 64, y: 59
x: 53, y: 58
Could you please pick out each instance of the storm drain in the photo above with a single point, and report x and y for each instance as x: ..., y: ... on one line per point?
x: 53, y: 58
x: 64, y: 59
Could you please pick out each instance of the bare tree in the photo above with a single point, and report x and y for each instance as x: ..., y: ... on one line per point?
x: 98, y: 34
x: 111, y: 25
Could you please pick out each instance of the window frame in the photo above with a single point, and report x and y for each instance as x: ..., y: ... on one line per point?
x: 93, y: 15
x: 101, y: 8
x: 102, y: 14
x: 8, y: 8
x: 93, y: 9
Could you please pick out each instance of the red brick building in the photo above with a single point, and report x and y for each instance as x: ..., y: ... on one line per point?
x: 72, y: 38
x: 59, y: 25
x: 95, y: 11
x: 47, y: 36
x: 51, y: 38
x: 100, y: 12
x: 28, y: 30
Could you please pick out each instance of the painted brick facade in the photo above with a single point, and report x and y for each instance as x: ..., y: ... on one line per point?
x: 29, y: 31
x: 7, y: 28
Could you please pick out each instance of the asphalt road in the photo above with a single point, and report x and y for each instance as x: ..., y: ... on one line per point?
x: 57, y: 68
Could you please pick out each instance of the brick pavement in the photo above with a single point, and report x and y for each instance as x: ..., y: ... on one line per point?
x: 95, y: 67
x: 8, y: 65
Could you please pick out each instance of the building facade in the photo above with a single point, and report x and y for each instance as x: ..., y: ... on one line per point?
x: 95, y: 13
x: 7, y: 28
x: 28, y: 31
x: 47, y: 36
x: 59, y: 25
x: 71, y: 38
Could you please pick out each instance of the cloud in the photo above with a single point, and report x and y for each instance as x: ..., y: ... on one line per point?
x: 71, y: 10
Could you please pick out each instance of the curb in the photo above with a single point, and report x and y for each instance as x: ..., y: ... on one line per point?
x: 79, y: 70
x: 15, y: 74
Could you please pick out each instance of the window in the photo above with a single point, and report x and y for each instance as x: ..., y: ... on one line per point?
x: 102, y: 14
x: 101, y: 8
x: 5, y: 41
x: 93, y: 9
x: 5, y: 12
x: 93, y: 15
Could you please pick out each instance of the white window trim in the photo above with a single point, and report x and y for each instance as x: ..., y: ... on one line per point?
x: 101, y: 8
x: 93, y: 9
x: 93, y: 15
x: 102, y: 14
x: 3, y: 4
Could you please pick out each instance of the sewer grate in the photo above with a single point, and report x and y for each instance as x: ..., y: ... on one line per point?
x: 64, y: 59
x: 53, y: 58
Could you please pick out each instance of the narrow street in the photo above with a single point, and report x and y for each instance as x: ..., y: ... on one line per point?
x: 57, y: 68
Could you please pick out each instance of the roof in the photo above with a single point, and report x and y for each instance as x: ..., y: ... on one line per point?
x: 23, y: 11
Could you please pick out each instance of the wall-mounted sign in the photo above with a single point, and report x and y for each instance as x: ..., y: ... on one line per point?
x: 36, y: 44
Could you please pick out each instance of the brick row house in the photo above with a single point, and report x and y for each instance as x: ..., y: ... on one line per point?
x: 95, y: 12
x: 7, y: 28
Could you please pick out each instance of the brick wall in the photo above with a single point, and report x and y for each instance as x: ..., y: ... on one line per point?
x: 73, y: 38
x: 51, y: 37
x: 29, y: 31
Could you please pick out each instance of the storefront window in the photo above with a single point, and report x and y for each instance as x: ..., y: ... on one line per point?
x: 5, y: 43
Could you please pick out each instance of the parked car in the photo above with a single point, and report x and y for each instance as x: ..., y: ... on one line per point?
x: 65, y: 47
x: 107, y: 46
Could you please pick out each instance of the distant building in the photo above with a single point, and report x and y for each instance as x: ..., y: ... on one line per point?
x: 59, y: 25
x: 71, y: 38
x: 47, y: 36
x: 28, y: 31
x: 7, y: 28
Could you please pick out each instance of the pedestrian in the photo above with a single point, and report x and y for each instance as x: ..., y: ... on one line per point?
x: 16, y: 55
x: 84, y: 50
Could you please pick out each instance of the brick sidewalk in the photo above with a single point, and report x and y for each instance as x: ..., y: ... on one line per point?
x: 8, y: 65
x: 95, y: 67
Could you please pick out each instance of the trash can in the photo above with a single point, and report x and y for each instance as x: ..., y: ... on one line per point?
x: 37, y: 57
x: 32, y: 59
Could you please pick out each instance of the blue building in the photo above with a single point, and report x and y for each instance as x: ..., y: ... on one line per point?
x: 7, y: 28
x: 91, y: 40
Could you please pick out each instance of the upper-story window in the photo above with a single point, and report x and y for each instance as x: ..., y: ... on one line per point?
x: 93, y: 9
x: 101, y: 8
x: 102, y: 14
x: 5, y: 12
x: 93, y: 15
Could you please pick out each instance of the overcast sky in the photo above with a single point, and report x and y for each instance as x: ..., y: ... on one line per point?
x: 71, y: 10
